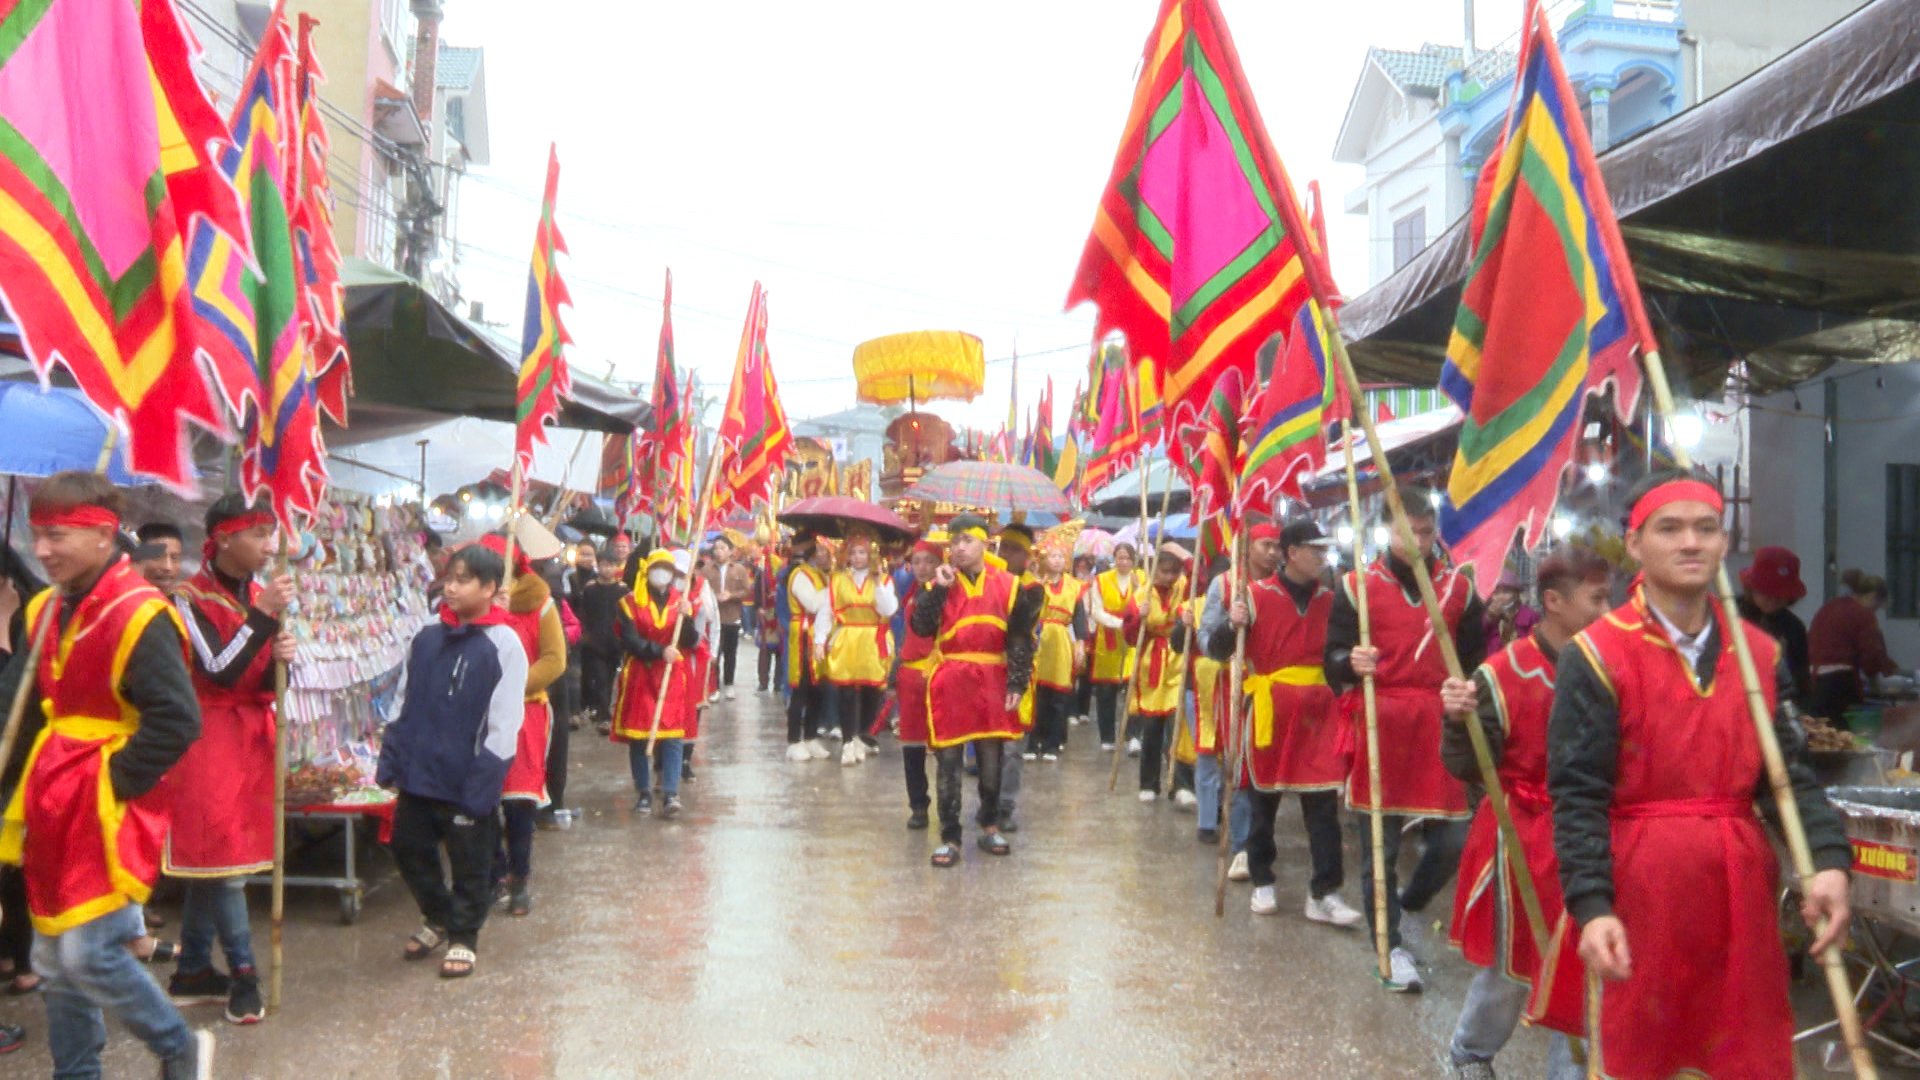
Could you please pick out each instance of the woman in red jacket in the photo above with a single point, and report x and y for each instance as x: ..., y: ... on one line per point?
x: 1845, y: 646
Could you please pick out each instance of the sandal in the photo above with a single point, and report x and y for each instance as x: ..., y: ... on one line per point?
x: 458, y: 963
x: 16, y: 989
x: 994, y: 844
x: 423, y: 942
x: 945, y: 855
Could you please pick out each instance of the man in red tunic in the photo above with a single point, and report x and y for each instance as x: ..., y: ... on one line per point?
x: 1654, y: 768
x: 910, y: 683
x: 1407, y: 671
x: 223, y: 787
x: 114, y: 709
x: 1510, y: 696
x: 659, y: 664
x: 1294, y: 742
x: 982, y: 628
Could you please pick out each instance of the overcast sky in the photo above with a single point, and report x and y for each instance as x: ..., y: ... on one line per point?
x: 880, y: 166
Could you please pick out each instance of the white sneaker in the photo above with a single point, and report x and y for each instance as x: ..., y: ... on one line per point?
x: 713, y: 697
x: 817, y: 749
x: 729, y: 693
x: 1049, y: 756
x: 1149, y: 796
x: 1184, y: 799
x: 798, y: 752
x: 1106, y: 748
x: 1334, y: 911
x: 1237, y: 870
x: 863, y: 750
x: 1133, y: 747
x: 1029, y: 756
x: 1263, y: 902
x: 1403, y: 977
x: 850, y: 753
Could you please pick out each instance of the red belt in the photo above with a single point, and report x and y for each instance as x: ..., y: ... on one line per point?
x: 1703, y: 807
x: 1527, y: 794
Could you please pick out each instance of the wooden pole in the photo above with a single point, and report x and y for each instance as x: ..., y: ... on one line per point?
x: 1233, y: 751
x: 1376, y: 824
x: 1180, y: 717
x: 1140, y: 636
x: 513, y: 515
x: 279, y: 887
x: 699, y: 520
x: 1490, y: 777
x: 1594, y: 990
x: 1776, y: 765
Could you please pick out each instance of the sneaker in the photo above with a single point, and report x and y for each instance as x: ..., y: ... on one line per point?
x: 1133, y: 747
x: 1332, y: 910
x: 1106, y: 748
x: 1184, y: 799
x: 203, y: 987
x: 1403, y: 977
x: 1149, y: 796
x: 1049, y: 756
x: 672, y: 809
x: 729, y: 693
x: 643, y: 805
x: 917, y: 820
x: 12, y: 1037
x: 1030, y: 756
x: 798, y: 752
x: 869, y: 746
x: 1474, y: 1070
x: 686, y: 771
x: 711, y: 698
x: 1008, y: 824
x: 244, y: 1004
x: 1264, y: 902
x: 1237, y: 870
x: 850, y: 753
x: 817, y: 749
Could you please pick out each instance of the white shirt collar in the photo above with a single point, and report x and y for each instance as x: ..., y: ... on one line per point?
x: 1687, y: 645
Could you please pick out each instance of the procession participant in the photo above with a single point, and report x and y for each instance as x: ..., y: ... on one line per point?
x: 1083, y: 571
x: 1199, y: 742
x: 159, y: 554
x: 1217, y: 638
x: 115, y: 711
x: 982, y: 628
x: 1408, y: 670
x: 462, y: 700
x: 1295, y: 740
x: 222, y: 789
x: 1510, y: 697
x: 534, y: 618
x: 1653, y: 767
x: 910, y: 682
x: 1016, y: 558
x: 1153, y: 695
x: 1112, y: 664
x: 706, y: 625
x: 1061, y: 650
x: 657, y: 663
x: 732, y: 586
x: 1768, y: 590
x: 806, y: 585
x: 771, y: 621
x: 852, y: 640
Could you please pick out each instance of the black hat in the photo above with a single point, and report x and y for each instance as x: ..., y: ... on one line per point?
x: 1303, y: 531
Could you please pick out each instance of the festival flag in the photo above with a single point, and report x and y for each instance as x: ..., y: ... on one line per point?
x: 322, y: 296
x: 106, y: 166
x: 543, y: 364
x: 664, y: 443
x: 753, y: 438
x: 1549, y: 313
x: 1287, y: 424
x: 1196, y: 248
x: 1115, y: 440
x: 676, y: 463
x: 1211, y: 446
x: 615, y: 480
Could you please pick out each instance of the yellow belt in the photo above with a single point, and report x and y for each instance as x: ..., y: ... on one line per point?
x: 1260, y: 686
x: 974, y: 657
x: 922, y: 664
x: 112, y: 733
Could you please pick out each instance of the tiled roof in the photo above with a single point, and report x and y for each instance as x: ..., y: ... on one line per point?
x: 1424, y: 70
x: 457, y: 67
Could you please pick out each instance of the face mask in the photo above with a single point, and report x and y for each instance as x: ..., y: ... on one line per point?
x: 660, y: 579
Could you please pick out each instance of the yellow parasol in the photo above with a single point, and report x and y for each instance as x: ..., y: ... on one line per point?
x: 920, y: 366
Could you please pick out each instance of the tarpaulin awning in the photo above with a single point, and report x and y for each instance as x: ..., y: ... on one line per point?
x: 1774, y: 223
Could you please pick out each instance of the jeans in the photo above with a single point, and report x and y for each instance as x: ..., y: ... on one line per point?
x: 729, y: 651
x: 517, y: 815
x: 915, y: 758
x: 421, y: 827
x: 637, y: 760
x: 1488, y: 1017
x: 89, y: 969
x: 952, y: 759
x: 1208, y: 782
x: 213, y: 907
x: 1320, y: 812
x: 1106, y: 703
x: 1439, y: 861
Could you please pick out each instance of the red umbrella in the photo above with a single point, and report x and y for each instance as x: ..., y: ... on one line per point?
x: 830, y: 515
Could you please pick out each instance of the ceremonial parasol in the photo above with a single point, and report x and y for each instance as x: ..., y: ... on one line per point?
x: 1095, y: 542
x: 831, y: 515
x: 991, y: 485
x: 920, y: 366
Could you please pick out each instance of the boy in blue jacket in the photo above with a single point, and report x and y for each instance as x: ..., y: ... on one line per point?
x: 447, y: 756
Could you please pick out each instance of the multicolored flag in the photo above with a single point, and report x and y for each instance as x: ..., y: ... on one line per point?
x: 1212, y: 447
x: 1549, y: 313
x: 1196, y: 249
x: 1115, y: 442
x: 615, y: 480
x: 753, y: 439
x: 676, y: 467
x: 544, y: 379
x: 105, y: 168
x: 664, y: 443
x: 1299, y: 397
x: 323, y: 298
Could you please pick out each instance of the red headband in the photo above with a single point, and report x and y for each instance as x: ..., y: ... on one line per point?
x: 1266, y: 530
x: 85, y: 516
x: 1671, y: 492
x: 930, y: 548
x: 498, y: 545
x: 240, y: 523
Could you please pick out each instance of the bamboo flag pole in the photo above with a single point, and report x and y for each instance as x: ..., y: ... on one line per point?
x: 566, y: 473
x: 1180, y: 718
x: 1233, y: 749
x: 1376, y: 824
x: 699, y: 519
x: 278, y: 901
x: 1135, y: 686
x: 1790, y: 826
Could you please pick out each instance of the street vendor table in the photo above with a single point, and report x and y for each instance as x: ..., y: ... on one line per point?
x: 347, y: 818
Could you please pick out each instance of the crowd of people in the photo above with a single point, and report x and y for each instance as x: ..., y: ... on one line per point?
x: 1613, y: 710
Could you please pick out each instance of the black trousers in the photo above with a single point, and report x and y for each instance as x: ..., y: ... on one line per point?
x: 1083, y: 696
x: 1106, y: 701
x: 1439, y: 861
x: 559, y: 742
x: 769, y: 656
x: 1153, y: 742
x: 421, y: 827
x: 989, y: 753
x: 729, y: 651
x: 858, y: 707
x: 803, y: 712
x: 596, y: 682
x: 16, y: 928
x: 1320, y: 812
x: 915, y: 760
x: 1051, y: 708
x: 516, y: 836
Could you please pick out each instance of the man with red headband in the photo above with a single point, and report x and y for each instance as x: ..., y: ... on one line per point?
x: 223, y: 788
x: 910, y: 683
x: 114, y: 711
x: 1654, y: 770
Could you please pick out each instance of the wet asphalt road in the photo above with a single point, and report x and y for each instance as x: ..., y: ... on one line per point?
x: 790, y: 925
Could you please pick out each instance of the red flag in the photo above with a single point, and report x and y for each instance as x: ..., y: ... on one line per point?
x: 543, y: 365
x: 753, y: 440
x: 323, y: 297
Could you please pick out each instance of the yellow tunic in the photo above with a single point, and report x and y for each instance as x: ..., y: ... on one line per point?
x: 1156, y: 676
x: 857, y: 651
x: 801, y: 667
x: 1053, y: 660
x: 1201, y: 681
x: 1112, y: 650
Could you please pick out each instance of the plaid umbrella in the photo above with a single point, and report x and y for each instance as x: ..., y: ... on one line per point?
x: 991, y: 485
